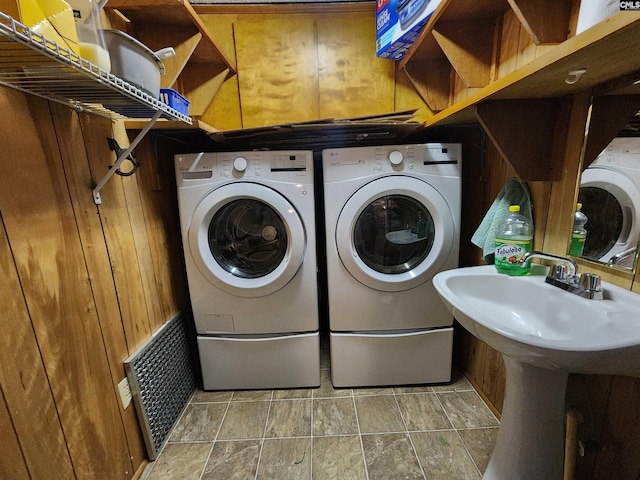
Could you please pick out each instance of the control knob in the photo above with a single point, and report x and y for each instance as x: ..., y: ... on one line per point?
x: 396, y: 157
x: 240, y: 164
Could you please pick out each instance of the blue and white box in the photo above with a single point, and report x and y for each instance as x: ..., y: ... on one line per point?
x: 399, y: 23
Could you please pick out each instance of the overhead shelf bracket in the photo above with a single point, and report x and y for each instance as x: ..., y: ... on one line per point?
x: 527, y: 133
x: 123, y: 156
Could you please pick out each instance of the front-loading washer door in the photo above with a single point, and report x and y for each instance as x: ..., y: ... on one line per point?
x: 394, y: 233
x: 247, y: 239
x: 611, y: 202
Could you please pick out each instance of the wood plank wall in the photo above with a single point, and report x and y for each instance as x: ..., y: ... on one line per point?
x: 81, y: 288
x: 597, y: 397
x: 311, y: 63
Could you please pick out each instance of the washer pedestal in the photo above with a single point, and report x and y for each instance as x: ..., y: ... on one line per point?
x: 254, y: 362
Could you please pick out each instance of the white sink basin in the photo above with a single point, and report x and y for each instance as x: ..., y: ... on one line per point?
x: 544, y: 333
x: 543, y: 325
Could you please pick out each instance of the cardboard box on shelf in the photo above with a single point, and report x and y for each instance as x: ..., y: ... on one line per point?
x: 399, y: 23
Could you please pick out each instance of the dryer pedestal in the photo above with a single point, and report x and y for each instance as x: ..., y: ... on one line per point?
x: 391, y: 358
x: 257, y: 362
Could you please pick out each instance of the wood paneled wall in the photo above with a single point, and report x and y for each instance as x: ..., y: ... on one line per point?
x: 81, y: 287
x: 310, y: 64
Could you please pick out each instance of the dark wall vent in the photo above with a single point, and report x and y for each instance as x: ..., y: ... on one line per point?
x: 162, y: 381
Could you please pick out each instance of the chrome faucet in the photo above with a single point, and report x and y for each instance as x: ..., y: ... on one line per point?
x: 573, y: 268
x: 586, y: 285
x: 623, y: 257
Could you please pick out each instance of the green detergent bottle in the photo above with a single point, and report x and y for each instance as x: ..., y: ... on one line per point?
x: 514, y: 238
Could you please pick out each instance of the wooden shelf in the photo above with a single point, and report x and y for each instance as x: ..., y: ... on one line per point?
x: 507, y: 64
x: 461, y: 46
x: 546, y: 21
x: 607, y: 51
x: 468, y: 45
x: 173, y: 13
x: 609, y: 114
x: 452, y: 11
x: 199, y: 67
x: 133, y: 124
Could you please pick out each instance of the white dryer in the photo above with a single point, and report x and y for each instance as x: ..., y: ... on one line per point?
x: 610, y: 197
x: 392, y: 218
x: 248, y: 233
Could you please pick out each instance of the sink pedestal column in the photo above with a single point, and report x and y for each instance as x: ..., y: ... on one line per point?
x: 531, y: 435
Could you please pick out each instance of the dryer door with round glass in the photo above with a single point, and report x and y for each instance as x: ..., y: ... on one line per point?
x: 394, y: 233
x: 247, y: 239
x: 611, y: 202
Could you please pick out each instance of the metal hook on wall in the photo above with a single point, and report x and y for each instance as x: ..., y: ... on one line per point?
x: 574, y: 75
x: 115, y: 147
x: 122, y: 157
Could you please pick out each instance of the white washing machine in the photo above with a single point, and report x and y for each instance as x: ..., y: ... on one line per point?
x: 610, y: 197
x: 393, y: 221
x: 248, y: 232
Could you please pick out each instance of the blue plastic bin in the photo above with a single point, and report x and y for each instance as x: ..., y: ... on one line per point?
x: 174, y: 100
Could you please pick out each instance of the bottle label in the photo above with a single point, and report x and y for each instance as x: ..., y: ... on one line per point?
x: 510, y: 252
x: 577, y: 244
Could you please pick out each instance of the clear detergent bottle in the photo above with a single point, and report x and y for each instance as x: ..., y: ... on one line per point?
x: 513, y: 239
x: 87, y: 16
x: 579, y: 233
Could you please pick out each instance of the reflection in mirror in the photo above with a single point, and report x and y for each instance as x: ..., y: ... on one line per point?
x: 610, y: 199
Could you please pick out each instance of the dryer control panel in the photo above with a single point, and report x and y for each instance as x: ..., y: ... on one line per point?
x: 442, y: 159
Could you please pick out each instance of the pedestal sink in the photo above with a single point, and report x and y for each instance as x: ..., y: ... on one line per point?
x: 543, y: 333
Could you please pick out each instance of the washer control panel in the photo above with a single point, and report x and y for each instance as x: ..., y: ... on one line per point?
x: 288, y: 162
x: 195, y: 167
x: 284, y: 165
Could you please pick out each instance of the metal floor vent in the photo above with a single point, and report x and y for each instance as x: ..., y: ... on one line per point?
x: 162, y: 381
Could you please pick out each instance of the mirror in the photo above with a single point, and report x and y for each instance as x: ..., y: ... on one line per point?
x: 609, y: 194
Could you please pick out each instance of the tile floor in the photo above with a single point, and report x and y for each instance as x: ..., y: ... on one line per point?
x: 423, y: 432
